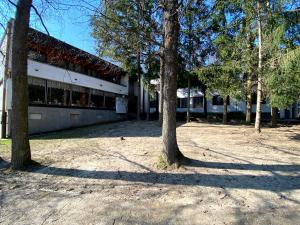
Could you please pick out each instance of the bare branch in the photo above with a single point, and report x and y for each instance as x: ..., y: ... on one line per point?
x: 41, y: 19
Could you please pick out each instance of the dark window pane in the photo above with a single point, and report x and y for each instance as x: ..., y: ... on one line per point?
x: 218, y: 100
x: 36, y: 94
x: 97, y: 101
x: 55, y: 96
x: 178, y: 102
x: 198, y: 102
x: 110, y: 101
x: 184, y: 103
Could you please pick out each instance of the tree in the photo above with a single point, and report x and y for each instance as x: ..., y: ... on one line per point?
x: 21, y: 155
x: 221, y: 79
x: 195, y: 41
x: 171, y: 152
x: 124, y: 29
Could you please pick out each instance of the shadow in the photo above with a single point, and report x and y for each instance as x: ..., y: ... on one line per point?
x: 239, y: 166
x: 275, y: 183
x: 120, y: 129
x: 4, y: 164
x: 295, y: 137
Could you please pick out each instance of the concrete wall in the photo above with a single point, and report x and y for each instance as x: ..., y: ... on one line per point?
x: 44, y: 119
x: 46, y: 71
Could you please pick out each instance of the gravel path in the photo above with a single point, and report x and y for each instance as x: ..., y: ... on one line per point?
x: 92, y: 176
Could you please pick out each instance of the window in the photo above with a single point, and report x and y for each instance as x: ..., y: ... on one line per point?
x: 97, y: 98
x: 110, y: 100
x: 58, y: 93
x: 36, y: 90
x: 79, y: 96
x: 178, y: 102
x: 218, y: 100
x: 254, y: 99
x: 197, y: 102
x: 184, y: 103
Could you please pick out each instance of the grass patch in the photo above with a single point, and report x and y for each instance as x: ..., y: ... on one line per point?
x: 5, y: 145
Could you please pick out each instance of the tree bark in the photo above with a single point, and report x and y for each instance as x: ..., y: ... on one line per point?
x: 7, y: 51
x: 205, y: 102
x: 171, y: 152
x: 161, y: 90
x: 274, y: 113
x: 249, y: 100
x: 259, y: 78
x: 148, y: 106
x: 138, y: 110
x: 188, y: 101
x: 20, y: 154
x: 225, y: 110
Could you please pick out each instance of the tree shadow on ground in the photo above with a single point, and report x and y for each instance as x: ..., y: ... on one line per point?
x: 241, y: 166
x: 274, y: 182
x: 120, y: 129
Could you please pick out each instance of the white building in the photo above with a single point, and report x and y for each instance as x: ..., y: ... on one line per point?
x: 67, y: 86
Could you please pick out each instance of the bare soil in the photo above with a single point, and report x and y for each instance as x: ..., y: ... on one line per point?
x: 94, y: 176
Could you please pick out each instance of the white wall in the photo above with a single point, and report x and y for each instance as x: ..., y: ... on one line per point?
x: 46, y: 71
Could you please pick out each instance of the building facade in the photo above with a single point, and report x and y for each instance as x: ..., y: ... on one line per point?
x: 67, y: 87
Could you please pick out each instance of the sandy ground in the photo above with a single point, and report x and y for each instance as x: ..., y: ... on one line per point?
x: 91, y: 176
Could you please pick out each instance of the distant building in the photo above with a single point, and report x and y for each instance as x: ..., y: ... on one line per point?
x: 213, y: 103
x: 67, y: 87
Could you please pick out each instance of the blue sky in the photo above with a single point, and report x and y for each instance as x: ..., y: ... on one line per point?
x: 71, y: 26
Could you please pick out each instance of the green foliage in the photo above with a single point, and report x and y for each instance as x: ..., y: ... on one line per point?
x: 225, y: 80
x: 283, y: 82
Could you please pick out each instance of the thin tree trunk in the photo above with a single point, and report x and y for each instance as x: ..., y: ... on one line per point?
x: 138, y: 110
x: 171, y: 151
x: 205, y: 102
x: 249, y: 101
x: 274, y: 113
x: 225, y: 110
x: 148, y: 106
x: 161, y: 88
x: 188, y: 101
x: 7, y: 50
x: 20, y: 154
x: 259, y: 79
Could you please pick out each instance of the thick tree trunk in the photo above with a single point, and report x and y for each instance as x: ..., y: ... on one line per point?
x: 161, y: 90
x: 225, y: 110
x: 259, y: 79
x: 171, y: 151
x: 274, y: 113
x: 20, y: 155
x: 249, y: 101
x: 188, y: 101
x: 138, y: 110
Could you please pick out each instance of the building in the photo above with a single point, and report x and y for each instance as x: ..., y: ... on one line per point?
x: 213, y: 104
x: 67, y: 87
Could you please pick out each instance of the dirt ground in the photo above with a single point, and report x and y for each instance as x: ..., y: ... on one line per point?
x: 91, y: 176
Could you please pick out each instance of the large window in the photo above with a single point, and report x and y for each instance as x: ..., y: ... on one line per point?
x: 184, y: 103
x: 197, y: 102
x: 79, y: 96
x: 58, y: 93
x: 47, y: 92
x: 110, y: 100
x: 36, y: 90
x: 97, y: 98
x: 218, y: 100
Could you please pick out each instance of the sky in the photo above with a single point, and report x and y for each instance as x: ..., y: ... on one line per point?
x: 69, y: 25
